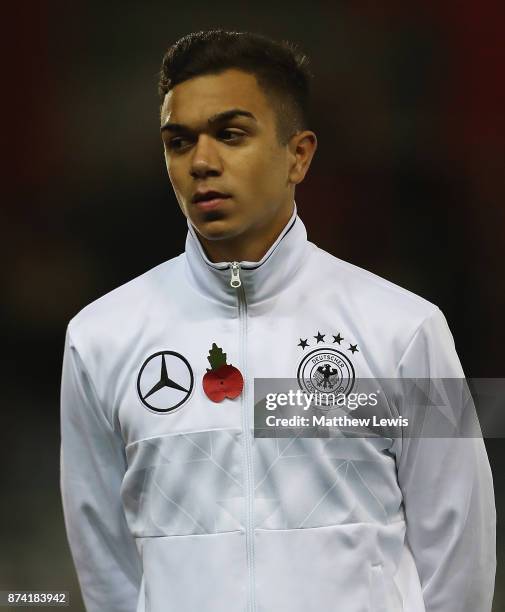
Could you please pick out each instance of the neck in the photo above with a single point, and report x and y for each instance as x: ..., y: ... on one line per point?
x: 248, y: 246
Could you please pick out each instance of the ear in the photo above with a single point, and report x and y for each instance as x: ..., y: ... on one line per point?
x: 302, y: 147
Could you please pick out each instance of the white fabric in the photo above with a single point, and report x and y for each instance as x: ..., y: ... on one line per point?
x: 184, y: 511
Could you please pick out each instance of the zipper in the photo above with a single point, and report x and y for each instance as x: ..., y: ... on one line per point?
x: 236, y: 283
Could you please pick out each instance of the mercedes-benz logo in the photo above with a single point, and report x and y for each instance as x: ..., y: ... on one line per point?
x: 165, y: 381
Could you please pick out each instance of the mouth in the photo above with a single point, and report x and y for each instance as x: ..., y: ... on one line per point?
x: 207, y: 200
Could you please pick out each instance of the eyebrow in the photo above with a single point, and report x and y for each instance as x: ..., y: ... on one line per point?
x: 211, y: 121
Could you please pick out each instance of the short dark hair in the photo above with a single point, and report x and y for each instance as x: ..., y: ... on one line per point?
x: 280, y: 70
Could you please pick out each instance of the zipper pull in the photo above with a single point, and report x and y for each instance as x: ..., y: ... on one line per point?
x: 235, y: 275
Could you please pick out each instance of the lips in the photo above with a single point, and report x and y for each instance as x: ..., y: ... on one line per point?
x: 207, y: 196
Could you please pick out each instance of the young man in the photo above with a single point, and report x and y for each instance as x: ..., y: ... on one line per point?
x: 170, y: 502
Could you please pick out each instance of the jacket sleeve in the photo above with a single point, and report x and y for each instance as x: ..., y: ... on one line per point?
x: 92, y: 469
x: 447, y: 484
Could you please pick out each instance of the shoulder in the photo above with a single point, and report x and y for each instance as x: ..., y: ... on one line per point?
x: 365, y: 289
x: 125, y: 304
x: 390, y: 322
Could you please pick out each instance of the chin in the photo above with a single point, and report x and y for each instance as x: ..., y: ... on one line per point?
x: 213, y: 225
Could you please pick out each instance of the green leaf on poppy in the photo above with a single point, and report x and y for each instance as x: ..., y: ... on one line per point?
x: 216, y: 357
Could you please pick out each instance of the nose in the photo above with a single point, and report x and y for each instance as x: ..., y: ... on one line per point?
x: 205, y: 161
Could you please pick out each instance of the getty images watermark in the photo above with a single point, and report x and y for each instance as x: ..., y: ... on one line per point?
x: 307, y: 401
x: 393, y: 408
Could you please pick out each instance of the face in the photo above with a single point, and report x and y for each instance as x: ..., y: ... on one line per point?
x: 219, y: 135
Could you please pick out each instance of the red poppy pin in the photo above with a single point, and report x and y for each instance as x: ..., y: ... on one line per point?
x: 222, y: 380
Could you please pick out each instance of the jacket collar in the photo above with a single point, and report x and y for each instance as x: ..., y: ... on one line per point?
x: 260, y: 280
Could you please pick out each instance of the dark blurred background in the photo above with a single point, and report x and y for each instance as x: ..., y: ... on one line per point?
x: 408, y: 182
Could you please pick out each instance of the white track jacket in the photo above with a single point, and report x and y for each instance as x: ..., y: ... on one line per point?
x: 172, y: 505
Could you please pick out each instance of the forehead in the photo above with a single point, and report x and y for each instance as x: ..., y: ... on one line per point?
x: 193, y: 101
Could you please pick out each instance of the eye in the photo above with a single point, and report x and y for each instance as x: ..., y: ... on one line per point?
x: 177, y: 143
x: 229, y: 135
